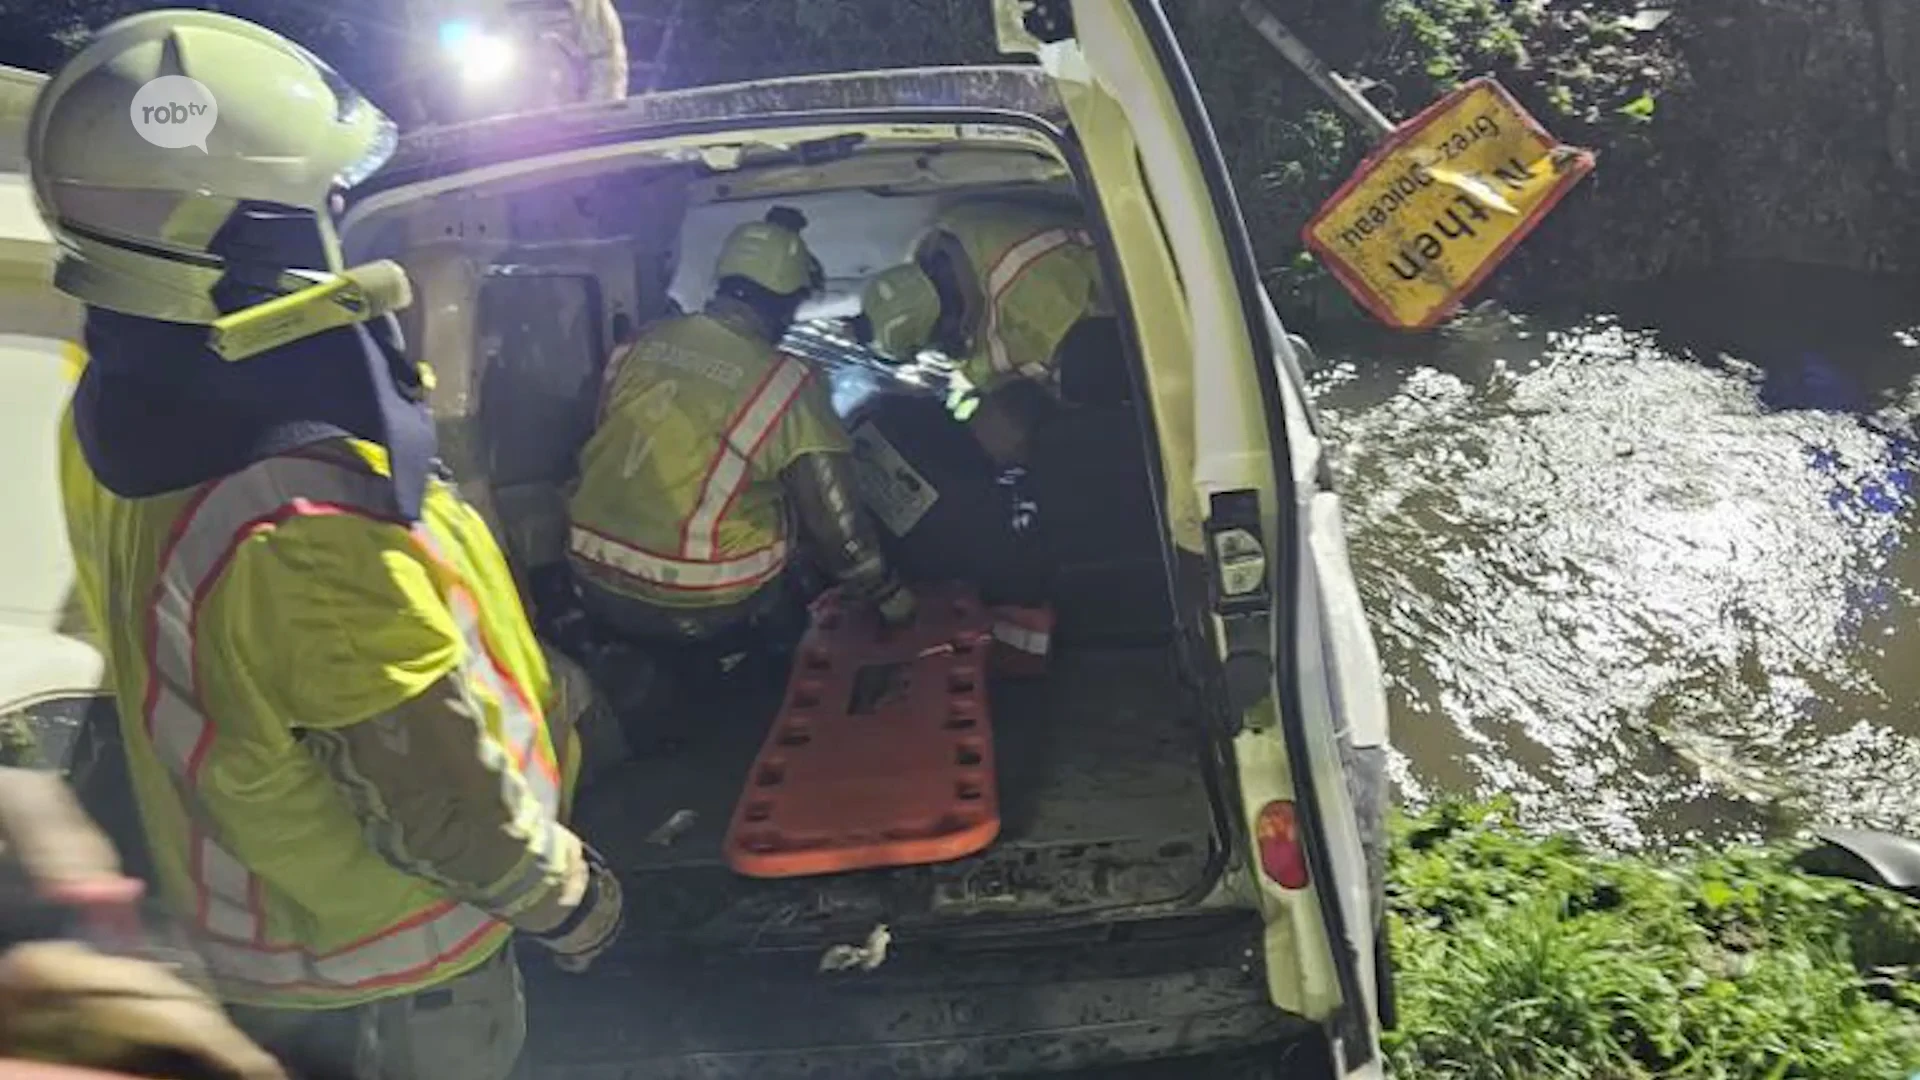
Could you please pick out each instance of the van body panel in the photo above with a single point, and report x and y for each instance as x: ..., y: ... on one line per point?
x: 1253, y: 432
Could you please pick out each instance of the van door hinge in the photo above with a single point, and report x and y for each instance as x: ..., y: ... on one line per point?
x: 1238, y: 574
x: 1049, y: 20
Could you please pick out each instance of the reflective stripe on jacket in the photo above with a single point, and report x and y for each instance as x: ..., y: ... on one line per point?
x: 1039, y: 275
x: 285, y: 596
x: 680, y: 502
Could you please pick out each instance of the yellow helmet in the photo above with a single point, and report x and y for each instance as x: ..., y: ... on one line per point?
x: 136, y: 176
x: 902, y: 306
x: 771, y: 254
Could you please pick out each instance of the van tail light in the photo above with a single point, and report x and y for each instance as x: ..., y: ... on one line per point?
x: 1277, y: 834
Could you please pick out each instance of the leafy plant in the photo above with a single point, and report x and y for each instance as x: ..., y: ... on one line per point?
x: 18, y: 746
x: 1640, y: 108
x: 1523, y: 957
x: 1600, y: 63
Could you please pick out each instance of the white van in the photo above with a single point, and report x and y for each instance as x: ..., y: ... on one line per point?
x: 48, y: 674
x: 1192, y: 798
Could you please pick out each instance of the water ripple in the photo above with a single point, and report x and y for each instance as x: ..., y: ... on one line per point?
x: 1627, y: 585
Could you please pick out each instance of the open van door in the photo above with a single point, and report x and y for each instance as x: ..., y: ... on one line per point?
x: 1247, y: 497
x: 50, y: 675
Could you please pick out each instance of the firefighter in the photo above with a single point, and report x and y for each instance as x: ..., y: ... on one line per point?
x: 349, y: 754
x: 717, y: 457
x: 1011, y: 292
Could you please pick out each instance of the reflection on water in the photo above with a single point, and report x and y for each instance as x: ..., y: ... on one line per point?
x: 1655, y: 583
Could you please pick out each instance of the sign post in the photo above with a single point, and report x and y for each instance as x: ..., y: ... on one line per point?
x: 1440, y: 200
x: 1351, y: 101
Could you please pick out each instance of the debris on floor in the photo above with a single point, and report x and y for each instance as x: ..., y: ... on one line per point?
x: 673, y: 828
x: 865, y: 957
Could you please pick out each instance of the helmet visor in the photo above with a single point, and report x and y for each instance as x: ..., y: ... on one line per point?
x: 354, y: 112
x: 386, y: 137
x: 902, y: 306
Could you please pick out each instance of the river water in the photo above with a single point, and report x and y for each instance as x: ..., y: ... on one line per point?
x: 1654, y: 571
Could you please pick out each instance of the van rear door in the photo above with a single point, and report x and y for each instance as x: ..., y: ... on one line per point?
x: 1246, y: 494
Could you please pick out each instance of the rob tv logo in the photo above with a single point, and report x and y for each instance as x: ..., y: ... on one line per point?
x: 174, y: 112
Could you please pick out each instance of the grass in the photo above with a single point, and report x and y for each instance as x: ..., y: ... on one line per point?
x: 18, y: 745
x: 1527, y: 958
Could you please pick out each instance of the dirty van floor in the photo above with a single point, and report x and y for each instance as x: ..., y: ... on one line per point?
x: 1289, y: 1062
x: 1102, y: 795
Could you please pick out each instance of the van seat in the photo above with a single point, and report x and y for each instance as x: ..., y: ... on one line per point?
x: 537, y: 356
x: 531, y: 522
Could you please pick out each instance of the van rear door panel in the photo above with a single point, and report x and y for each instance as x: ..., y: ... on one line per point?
x: 1229, y: 407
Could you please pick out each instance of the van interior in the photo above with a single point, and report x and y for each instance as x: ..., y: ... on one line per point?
x: 1108, y: 768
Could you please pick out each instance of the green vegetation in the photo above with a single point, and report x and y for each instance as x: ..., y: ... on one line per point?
x: 1522, y: 958
x: 18, y: 746
x: 1586, y: 63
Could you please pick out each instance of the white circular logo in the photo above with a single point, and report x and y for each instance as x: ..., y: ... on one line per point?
x: 174, y: 111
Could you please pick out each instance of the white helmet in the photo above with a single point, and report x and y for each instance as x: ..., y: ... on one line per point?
x: 135, y: 219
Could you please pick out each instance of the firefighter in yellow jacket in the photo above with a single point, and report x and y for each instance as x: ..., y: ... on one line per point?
x: 348, y: 752
x: 718, y: 463
x: 1001, y: 287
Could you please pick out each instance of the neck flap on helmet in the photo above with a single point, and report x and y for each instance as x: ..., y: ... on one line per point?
x: 159, y: 410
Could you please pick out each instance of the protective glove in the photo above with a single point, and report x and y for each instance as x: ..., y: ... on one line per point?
x: 62, y: 1002
x: 593, y: 924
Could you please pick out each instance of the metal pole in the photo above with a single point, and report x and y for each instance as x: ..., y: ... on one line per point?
x: 660, y: 51
x: 1351, y: 101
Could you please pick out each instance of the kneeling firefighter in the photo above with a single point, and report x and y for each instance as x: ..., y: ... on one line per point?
x: 1012, y: 292
x: 349, y: 754
x: 712, y: 445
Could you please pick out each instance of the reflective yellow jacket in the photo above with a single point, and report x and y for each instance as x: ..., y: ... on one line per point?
x: 679, y: 502
x: 1039, y: 275
x: 235, y: 614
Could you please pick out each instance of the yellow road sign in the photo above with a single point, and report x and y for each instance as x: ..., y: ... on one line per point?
x: 1440, y: 202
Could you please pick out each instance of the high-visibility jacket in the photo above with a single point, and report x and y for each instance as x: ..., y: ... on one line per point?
x: 1039, y: 275
x: 679, y: 502
x: 227, y: 631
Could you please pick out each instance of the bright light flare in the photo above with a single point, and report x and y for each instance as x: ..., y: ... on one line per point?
x: 481, y: 57
x: 454, y: 35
